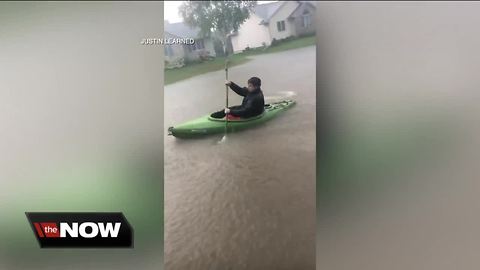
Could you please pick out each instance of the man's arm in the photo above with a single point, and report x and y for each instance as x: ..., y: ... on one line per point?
x: 242, y: 91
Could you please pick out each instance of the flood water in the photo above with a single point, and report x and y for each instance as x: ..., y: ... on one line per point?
x: 248, y: 203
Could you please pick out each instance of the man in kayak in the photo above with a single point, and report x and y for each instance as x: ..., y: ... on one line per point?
x: 253, y: 102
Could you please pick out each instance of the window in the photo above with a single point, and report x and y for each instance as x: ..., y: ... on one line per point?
x: 198, y: 45
x: 168, y: 50
x: 281, y: 26
x: 307, y: 20
x: 201, y: 44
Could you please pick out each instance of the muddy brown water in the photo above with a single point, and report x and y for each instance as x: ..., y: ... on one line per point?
x: 248, y: 203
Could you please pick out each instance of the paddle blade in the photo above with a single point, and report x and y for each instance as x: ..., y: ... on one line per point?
x: 223, y: 140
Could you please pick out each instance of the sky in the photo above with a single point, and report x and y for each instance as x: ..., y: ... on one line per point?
x: 170, y: 12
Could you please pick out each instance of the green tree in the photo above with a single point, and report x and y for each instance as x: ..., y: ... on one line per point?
x: 216, y: 18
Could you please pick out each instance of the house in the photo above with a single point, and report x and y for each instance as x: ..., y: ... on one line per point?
x: 202, y: 47
x: 276, y: 20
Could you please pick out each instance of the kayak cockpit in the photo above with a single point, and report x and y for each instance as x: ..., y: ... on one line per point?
x: 239, y: 119
x: 236, y: 119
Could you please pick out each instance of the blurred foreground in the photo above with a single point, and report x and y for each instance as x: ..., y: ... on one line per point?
x: 81, y: 126
x: 397, y: 175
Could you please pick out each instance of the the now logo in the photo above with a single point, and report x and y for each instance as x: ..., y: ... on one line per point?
x: 86, y: 229
x: 81, y: 229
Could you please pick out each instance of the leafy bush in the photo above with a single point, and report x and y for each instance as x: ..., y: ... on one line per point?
x: 308, y: 34
x: 287, y: 38
x: 274, y: 42
x: 204, y: 55
x: 177, y: 63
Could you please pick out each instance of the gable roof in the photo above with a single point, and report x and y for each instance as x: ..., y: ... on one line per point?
x: 302, y: 3
x: 266, y: 11
x: 182, y: 30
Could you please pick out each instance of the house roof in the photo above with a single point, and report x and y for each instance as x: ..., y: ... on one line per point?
x: 180, y: 29
x: 301, y: 4
x: 266, y: 11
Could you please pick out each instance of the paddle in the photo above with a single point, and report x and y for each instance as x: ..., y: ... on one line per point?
x: 226, y: 91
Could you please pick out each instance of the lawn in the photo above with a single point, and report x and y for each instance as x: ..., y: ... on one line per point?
x: 194, y: 69
x: 284, y: 45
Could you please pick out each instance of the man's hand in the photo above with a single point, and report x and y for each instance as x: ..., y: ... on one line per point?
x: 227, y: 110
x: 228, y: 83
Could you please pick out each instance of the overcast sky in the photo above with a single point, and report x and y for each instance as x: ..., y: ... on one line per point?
x: 171, y: 10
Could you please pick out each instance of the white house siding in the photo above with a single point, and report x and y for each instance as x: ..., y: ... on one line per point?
x: 281, y: 15
x: 250, y: 34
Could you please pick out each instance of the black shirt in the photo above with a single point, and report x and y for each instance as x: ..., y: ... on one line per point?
x: 253, y: 102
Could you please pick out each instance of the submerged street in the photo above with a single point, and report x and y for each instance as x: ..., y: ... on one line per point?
x: 247, y: 203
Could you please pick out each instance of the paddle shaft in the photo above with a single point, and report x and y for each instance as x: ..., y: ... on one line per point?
x: 226, y: 86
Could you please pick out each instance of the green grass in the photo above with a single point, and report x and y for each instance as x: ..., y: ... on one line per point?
x: 284, y: 46
x: 194, y: 69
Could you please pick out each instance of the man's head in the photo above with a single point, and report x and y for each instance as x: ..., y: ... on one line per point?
x: 254, y: 83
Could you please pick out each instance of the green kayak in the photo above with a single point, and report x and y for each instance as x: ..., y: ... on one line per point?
x: 208, y: 125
